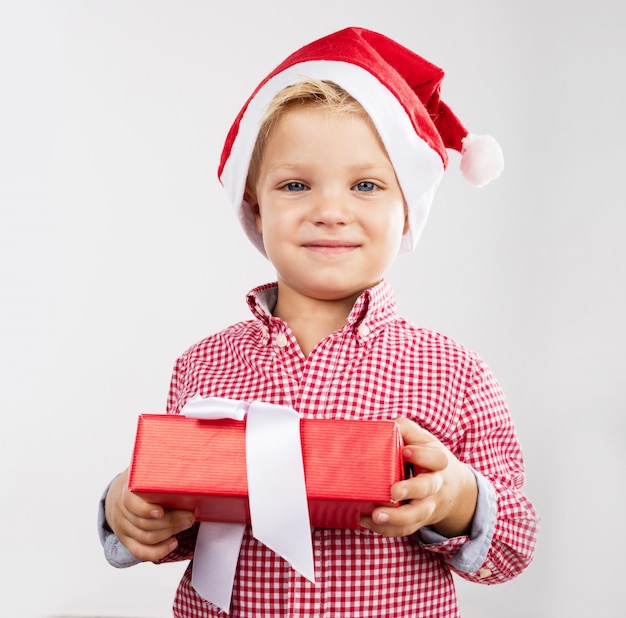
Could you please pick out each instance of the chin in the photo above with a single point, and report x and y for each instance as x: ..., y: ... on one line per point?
x: 331, y: 293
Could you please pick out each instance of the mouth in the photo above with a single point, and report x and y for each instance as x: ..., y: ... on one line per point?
x: 331, y: 246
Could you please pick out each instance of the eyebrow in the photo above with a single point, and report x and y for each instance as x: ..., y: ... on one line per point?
x: 290, y: 164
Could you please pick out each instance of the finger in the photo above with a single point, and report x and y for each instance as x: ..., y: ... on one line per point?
x: 419, y: 487
x: 153, y: 517
x: 137, y: 507
x: 412, y: 433
x: 155, y: 530
x: 151, y: 552
x: 386, y: 530
x: 148, y: 543
x: 393, y: 531
x: 400, y: 521
x: 426, y: 457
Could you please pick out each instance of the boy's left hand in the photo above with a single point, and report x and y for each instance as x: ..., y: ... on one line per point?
x: 442, y: 494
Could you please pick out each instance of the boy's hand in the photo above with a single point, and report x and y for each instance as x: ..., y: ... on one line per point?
x: 442, y: 494
x: 147, y: 530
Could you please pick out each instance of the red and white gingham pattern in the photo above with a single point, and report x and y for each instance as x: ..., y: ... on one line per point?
x: 378, y: 367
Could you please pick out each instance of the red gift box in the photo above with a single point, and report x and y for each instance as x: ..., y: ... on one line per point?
x: 200, y: 465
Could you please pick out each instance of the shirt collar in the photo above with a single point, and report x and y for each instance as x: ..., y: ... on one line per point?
x: 373, y: 309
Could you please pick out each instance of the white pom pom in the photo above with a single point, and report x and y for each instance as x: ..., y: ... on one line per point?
x: 481, y: 159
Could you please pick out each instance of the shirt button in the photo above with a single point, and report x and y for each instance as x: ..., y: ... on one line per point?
x: 484, y: 573
x: 364, y: 330
x: 281, y: 340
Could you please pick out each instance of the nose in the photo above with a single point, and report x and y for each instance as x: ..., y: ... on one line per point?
x: 330, y: 208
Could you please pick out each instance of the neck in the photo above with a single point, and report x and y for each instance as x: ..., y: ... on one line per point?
x: 312, y: 319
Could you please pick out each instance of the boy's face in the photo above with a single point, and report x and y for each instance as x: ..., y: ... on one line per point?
x: 328, y: 204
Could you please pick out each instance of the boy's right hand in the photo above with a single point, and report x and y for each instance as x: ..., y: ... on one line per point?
x: 147, y: 530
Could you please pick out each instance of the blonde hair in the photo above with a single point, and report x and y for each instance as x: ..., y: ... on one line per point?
x: 306, y: 93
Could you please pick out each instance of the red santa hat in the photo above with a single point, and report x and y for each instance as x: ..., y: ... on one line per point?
x: 400, y: 92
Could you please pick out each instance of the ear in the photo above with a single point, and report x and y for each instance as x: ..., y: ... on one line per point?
x: 255, y: 210
x: 406, y: 220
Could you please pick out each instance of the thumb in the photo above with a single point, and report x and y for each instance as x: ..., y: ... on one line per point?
x: 412, y: 433
x: 421, y: 448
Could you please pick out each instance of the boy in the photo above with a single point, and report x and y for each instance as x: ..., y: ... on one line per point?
x: 332, y: 165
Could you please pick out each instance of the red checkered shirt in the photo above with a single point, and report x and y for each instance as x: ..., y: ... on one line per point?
x: 379, y: 366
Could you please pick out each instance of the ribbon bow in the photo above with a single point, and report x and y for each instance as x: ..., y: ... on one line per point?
x: 279, y: 511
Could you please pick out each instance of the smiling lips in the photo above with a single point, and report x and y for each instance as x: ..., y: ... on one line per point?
x: 330, y: 246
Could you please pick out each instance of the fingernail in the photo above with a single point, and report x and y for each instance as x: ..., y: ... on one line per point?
x: 155, y: 513
x: 382, y: 518
x: 186, y: 523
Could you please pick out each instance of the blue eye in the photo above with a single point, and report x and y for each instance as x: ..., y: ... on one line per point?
x: 365, y: 186
x: 295, y: 186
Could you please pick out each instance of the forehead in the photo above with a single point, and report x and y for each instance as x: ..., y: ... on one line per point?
x: 318, y: 123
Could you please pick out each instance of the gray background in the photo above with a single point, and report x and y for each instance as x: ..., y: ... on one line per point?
x: 118, y: 250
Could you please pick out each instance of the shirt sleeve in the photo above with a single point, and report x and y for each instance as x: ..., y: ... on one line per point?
x: 504, y: 531
x: 466, y: 554
x: 115, y: 552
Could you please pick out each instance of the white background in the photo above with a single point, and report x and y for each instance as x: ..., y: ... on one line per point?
x: 118, y: 250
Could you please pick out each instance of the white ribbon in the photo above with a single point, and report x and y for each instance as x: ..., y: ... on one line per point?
x: 279, y: 510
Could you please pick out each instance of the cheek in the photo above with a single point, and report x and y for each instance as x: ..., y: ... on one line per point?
x: 396, y: 224
x: 275, y: 230
x: 391, y: 230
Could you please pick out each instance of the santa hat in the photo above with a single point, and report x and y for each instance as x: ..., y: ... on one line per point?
x: 400, y: 92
